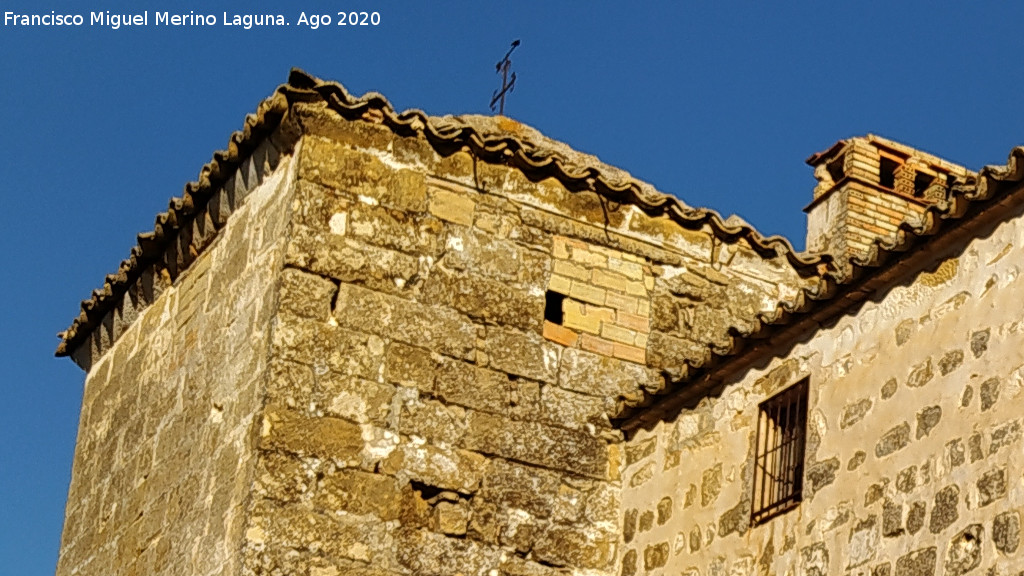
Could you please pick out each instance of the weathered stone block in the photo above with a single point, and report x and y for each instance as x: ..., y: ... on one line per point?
x: 906, y: 480
x: 989, y: 393
x: 452, y: 207
x: 391, y: 317
x: 822, y: 474
x: 917, y: 563
x: 895, y: 439
x: 448, y: 469
x: 357, y: 173
x: 323, y: 346
x: 305, y: 294
x: 863, y: 542
x: 597, y: 375
x: 536, y: 443
x: 1005, y: 435
x: 485, y: 299
x: 664, y: 510
x: 927, y: 419
x: 920, y: 375
x: 510, y: 485
x: 324, y: 436
x: 854, y: 412
x: 358, y: 492
x: 916, y: 517
x: 297, y: 526
x: 432, y: 420
x: 646, y: 521
x: 573, y: 546
x: 955, y: 455
x: 451, y: 518
x: 892, y: 519
x: 889, y: 388
x: 856, y: 460
x: 964, y: 552
x: 710, y: 485
x: 348, y: 260
x: 424, y: 552
x: 629, y: 525
x: 322, y: 209
x: 951, y: 361
x: 629, y: 564
x: 979, y: 342
x: 353, y: 398
x: 974, y: 446
x: 522, y: 354
x: 656, y: 555
x: 1006, y: 532
x: 814, y: 559
x: 290, y: 383
x: 573, y: 410
x: 410, y: 367
x: 946, y: 510
x: 474, y: 251
x: 396, y: 230
x: 473, y: 387
x: 991, y: 486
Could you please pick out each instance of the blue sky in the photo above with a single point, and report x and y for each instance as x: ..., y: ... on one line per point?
x: 717, y: 103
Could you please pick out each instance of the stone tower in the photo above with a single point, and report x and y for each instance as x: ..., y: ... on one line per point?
x: 380, y: 343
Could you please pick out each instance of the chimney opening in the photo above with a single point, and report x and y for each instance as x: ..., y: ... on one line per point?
x: 553, y: 307
x: 887, y: 172
x: 922, y: 182
x: 835, y: 168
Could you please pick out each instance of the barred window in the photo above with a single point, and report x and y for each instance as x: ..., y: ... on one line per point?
x: 779, y: 460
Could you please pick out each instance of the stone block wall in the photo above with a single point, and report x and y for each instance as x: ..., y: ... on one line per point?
x: 166, y: 441
x: 914, y: 442
x: 422, y: 416
x: 357, y: 376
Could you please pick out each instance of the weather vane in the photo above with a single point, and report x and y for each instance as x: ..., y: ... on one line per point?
x: 507, y: 84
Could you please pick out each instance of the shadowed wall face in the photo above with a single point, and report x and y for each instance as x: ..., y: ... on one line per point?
x: 166, y: 442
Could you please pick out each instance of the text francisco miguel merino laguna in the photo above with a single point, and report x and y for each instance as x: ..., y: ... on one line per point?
x: 116, y: 21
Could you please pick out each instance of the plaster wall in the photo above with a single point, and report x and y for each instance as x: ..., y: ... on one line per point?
x: 913, y: 461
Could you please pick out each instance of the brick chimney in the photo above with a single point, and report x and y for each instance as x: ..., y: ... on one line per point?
x: 867, y: 186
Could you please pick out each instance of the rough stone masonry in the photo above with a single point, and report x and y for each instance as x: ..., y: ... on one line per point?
x: 378, y: 343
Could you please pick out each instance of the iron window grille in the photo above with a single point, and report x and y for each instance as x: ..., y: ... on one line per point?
x: 779, y: 460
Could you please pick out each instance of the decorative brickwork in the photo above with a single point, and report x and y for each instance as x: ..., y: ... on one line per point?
x: 868, y: 187
x: 607, y: 308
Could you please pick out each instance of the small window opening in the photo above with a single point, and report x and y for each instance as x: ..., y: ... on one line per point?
x: 835, y: 169
x: 887, y: 172
x: 779, y: 460
x: 922, y: 182
x: 553, y: 307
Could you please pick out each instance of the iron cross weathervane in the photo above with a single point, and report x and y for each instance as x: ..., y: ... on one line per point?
x: 507, y: 85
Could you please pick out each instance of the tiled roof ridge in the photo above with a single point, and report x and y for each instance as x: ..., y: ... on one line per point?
x: 840, y: 289
x: 445, y: 135
x: 152, y: 246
